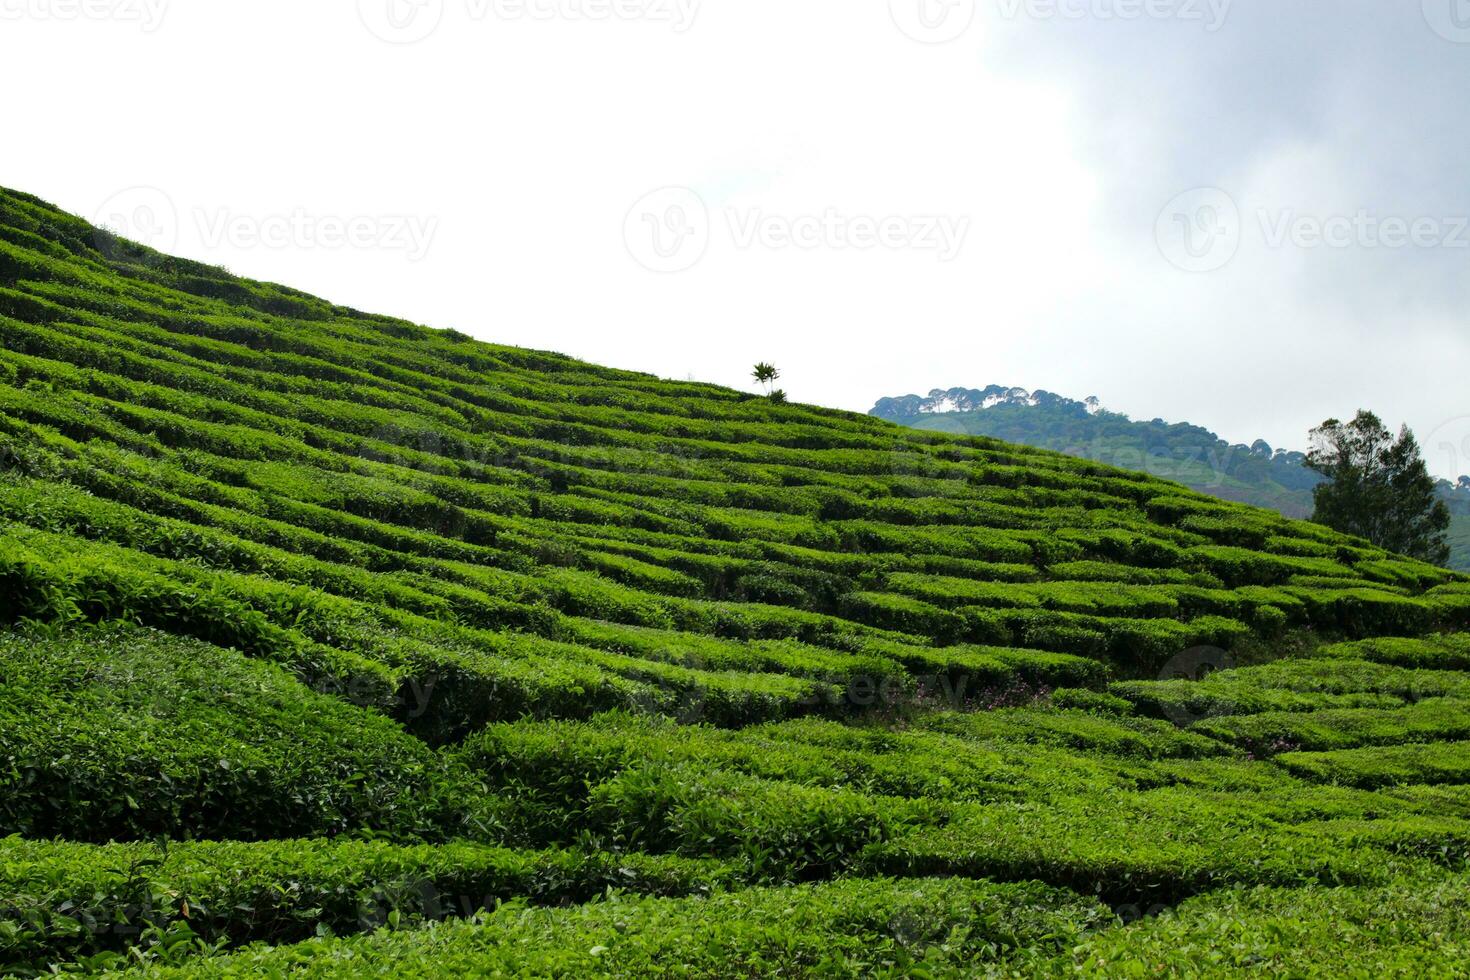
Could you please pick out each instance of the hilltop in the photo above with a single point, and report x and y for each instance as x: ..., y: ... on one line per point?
x: 1191, y: 454
x: 336, y: 642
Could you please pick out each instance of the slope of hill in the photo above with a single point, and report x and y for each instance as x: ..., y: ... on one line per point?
x: 1198, y: 458
x: 342, y: 645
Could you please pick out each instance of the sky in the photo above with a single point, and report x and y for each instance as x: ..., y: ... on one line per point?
x: 1248, y: 214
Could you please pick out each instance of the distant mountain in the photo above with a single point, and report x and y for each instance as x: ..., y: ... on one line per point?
x: 1256, y: 474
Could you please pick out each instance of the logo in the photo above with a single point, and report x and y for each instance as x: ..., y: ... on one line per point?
x: 933, y: 459
x: 1194, y: 664
x: 1199, y: 231
x: 932, y: 21
x: 1450, y: 19
x: 145, y: 215
x: 1447, y: 450
x: 401, y: 21
x: 668, y: 230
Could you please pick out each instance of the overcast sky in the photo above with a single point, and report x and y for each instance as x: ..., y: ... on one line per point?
x: 1251, y: 215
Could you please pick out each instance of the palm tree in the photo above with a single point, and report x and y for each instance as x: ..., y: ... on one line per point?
x: 766, y: 374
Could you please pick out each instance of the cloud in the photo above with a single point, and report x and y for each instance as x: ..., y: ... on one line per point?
x: 1347, y: 116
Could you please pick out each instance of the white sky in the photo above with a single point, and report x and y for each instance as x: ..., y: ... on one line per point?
x: 991, y: 209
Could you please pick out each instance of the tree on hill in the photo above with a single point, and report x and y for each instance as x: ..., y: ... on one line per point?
x: 1378, y: 487
x: 766, y: 374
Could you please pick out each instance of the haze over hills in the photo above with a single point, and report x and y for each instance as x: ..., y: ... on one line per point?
x: 1256, y: 474
x: 334, y: 644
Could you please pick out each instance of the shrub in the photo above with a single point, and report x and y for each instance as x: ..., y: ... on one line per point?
x: 68, y: 902
x: 1399, y: 929
x: 1384, y: 765
x: 123, y: 734
x: 1094, y: 702
x: 845, y: 928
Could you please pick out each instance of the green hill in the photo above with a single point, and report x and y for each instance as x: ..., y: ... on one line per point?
x: 1189, y: 454
x: 341, y: 645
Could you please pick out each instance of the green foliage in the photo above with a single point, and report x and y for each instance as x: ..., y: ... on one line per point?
x: 849, y: 928
x: 1458, y: 538
x: 1272, y: 732
x: 1378, y: 488
x: 1446, y: 762
x: 69, y: 901
x: 1141, y: 850
x: 1403, y: 929
x: 1091, y: 701
x: 124, y: 734
x: 1305, y: 685
x: 1446, y: 652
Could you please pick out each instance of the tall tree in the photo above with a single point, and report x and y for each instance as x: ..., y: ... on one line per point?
x: 1378, y: 488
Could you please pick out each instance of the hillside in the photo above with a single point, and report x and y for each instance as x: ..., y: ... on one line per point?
x: 343, y: 645
x: 1189, y: 454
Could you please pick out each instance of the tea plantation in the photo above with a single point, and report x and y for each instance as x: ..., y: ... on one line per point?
x: 340, y: 646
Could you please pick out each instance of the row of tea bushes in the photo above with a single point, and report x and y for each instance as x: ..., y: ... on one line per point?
x: 65, y: 902
x: 848, y: 928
